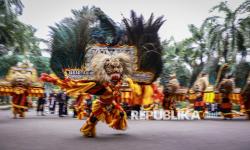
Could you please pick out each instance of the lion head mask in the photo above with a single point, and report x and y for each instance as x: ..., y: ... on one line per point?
x: 111, y: 67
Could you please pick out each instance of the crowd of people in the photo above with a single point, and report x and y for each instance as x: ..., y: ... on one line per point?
x: 61, y: 99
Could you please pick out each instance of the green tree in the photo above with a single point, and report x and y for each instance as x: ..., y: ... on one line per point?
x: 174, y: 64
x: 218, y: 40
x: 225, y: 35
x: 9, y: 10
x: 18, y: 38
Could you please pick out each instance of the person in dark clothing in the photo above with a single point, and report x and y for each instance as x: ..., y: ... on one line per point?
x: 40, y: 105
x: 63, y: 102
x: 52, y: 102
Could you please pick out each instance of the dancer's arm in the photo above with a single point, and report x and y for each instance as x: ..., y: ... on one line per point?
x: 70, y: 86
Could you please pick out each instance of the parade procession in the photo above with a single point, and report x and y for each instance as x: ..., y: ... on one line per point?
x: 92, y: 68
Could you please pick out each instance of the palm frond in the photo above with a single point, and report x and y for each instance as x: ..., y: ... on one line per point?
x: 241, y: 73
x: 244, y: 7
x: 240, y: 41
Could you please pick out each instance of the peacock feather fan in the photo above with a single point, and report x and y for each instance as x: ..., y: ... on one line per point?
x: 144, y: 35
x: 70, y: 40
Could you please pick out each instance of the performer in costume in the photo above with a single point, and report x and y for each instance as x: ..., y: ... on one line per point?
x: 170, y: 94
x: 83, y: 105
x: 246, y: 96
x: 199, y: 87
x: 158, y: 95
x: 110, y: 72
x: 19, y: 102
x: 21, y: 82
x: 226, y: 87
x: 199, y: 104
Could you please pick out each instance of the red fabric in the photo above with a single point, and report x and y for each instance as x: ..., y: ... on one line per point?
x: 79, y: 100
x: 157, y: 94
x: 197, y: 104
x: 118, y: 106
x: 46, y: 78
x: 226, y: 105
x: 20, y: 99
x: 98, y: 112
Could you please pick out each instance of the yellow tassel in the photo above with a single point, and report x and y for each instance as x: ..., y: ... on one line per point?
x: 148, y: 93
x: 88, y: 129
x: 97, y: 106
x: 136, y: 88
x: 119, y: 123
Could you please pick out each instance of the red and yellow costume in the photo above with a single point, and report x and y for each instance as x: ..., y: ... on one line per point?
x: 246, y: 96
x: 104, y: 109
x: 81, y: 107
x: 21, y: 82
x: 199, y: 104
x: 199, y: 87
x: 19, y: 103
x: 226, y: 87
x: 171, y: 94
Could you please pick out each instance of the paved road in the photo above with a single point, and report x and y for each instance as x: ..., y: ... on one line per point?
x: 53, y: 133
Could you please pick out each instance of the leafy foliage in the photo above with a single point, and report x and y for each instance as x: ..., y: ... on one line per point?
x: 6, y: 63
x: 241, y: 73
x: 217, y: 41
x: 40, y: 63
x: 15, y: 35
x: 226, y: 33
x: 174, y: 64
x: 17, y: 40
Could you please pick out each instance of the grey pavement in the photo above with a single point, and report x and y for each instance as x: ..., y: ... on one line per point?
x: 53, y: 133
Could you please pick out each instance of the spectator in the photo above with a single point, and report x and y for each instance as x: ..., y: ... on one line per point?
x: 40, y: 104
x: 52, y: 102
x: 63, y: 103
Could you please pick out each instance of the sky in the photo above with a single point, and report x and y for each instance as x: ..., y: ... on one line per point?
x: 177, y: 13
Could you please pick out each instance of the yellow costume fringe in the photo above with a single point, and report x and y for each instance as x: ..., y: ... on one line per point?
x: 88, y: 129
x: 112, y: 118
x: 209, y: 97
x: 148, y: 93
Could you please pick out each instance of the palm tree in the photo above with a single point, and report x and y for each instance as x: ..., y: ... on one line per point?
x: 244, y: 38
x: 229, y: 37
x: 225, y: 34
x: 11, y: 7
x: 9, y: 10
x: 14, y: 34
x: 18, y: 38
x: 174, y: 64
